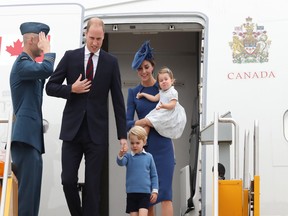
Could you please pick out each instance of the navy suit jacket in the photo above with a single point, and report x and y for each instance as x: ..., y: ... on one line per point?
x: 27, y: 80
x: 94, y: 103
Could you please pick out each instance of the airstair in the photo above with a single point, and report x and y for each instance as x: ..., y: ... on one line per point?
x: 9, y: 185
x: 237, y: 195
x: 233, y: 194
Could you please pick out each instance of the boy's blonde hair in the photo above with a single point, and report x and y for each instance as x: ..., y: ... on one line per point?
x: 139, y: 132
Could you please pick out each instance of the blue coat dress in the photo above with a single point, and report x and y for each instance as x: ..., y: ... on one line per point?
x: 160, y: 147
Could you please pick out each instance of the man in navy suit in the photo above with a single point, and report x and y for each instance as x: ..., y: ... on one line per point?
x: 27, y: 80
x: 84, y: 129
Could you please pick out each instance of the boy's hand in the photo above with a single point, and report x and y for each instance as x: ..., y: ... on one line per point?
x: 153, y: 197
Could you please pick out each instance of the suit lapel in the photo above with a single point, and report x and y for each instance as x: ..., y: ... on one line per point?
x: 81, y: 57
x: 98, y: 68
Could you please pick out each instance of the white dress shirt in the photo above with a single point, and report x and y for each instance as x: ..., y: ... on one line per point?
x: 94, y: 59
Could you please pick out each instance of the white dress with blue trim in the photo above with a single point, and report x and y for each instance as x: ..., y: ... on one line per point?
x: 168, y: 123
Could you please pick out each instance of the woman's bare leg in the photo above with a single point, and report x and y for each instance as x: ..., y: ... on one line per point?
x: 151, y: 211
x: 167, y: 208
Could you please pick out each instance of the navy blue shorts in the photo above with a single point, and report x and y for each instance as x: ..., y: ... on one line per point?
x: 135, y: 201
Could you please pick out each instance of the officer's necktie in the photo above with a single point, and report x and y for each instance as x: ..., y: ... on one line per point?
x: 89, y: 68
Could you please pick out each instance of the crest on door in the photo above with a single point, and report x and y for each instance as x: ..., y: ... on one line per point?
x: 250, y: 43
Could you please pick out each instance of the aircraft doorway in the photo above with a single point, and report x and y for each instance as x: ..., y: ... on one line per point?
x: 177, y: 46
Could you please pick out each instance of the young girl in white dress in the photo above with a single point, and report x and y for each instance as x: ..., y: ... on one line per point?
x: 168, y: 117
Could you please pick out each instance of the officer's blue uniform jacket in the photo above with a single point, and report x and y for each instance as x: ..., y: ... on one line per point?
x: 27, y: 80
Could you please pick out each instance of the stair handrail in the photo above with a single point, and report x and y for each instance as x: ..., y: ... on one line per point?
x: 215, y: 167
x: 7, y: 164
x: 256, y: 148
x: 218, y: 119
x: 236, y: 144
x: 246, y: 182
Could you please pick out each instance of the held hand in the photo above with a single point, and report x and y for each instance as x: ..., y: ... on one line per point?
x: 123, y: 150
x: 44, y: 43
x: 153, y: 197
x: 160, y: 106
x: 124, y: 147
x: 121, y: 153
x: 123, y: 142
x: 81, y: 86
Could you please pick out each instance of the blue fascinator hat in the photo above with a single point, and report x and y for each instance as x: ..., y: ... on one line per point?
x: 144, y: 53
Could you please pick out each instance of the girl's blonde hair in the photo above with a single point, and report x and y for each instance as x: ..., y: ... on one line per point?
x: 139, y: 132
x: 164, y: 70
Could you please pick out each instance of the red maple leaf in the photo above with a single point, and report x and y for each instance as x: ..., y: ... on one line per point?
x: 16, y: 49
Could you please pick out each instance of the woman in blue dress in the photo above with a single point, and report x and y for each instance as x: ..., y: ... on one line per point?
x: 160, y: 147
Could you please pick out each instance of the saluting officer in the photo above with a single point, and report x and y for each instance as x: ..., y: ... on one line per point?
x: 27, y: 80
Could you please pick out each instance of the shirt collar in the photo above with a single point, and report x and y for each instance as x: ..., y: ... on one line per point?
x: 142, y: 152
x: 87, y: 52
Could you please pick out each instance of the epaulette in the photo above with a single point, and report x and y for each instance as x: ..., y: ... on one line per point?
x: 24, y: 58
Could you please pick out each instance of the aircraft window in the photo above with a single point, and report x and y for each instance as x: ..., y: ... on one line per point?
x: 285, y: 125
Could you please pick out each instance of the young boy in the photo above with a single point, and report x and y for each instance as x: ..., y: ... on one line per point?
x: 141, y: 174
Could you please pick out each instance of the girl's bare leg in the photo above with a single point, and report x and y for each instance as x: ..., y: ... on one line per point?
x: 144, y: 122
x: 147, y: 129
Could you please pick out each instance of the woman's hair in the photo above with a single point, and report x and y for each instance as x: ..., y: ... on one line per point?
x: 152, y: 61
x: 139, y: 132
x: 164, y: 70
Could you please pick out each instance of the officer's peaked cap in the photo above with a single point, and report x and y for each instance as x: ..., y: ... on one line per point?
x: 34, y: 27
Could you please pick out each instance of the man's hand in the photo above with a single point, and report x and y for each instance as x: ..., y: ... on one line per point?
x: 123, y: 143
x: 44, y: 43
x: 124, y: 147
x: 81, y: 86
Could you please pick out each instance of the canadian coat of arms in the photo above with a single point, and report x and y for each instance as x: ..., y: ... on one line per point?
x: 250, y: 43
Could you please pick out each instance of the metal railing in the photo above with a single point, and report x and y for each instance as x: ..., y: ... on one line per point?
x: 7, y: 164
x: 218, y: 119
